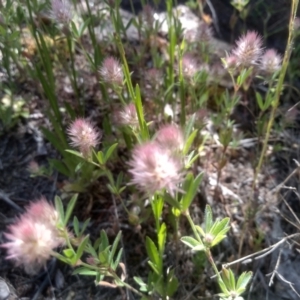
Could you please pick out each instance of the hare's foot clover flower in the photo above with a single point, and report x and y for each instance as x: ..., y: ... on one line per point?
x: 127, y: 116
x: 248, y: 49
x: 170, y: 137
x: 33, y: 237
x: 111, y: 72
x: 270, y: 62
x: 61, y: 11
x: 84, y: 136
x: 154, y: 169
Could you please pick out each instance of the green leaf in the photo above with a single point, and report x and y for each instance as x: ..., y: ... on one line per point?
x: 117, y: 260
x: 259, y: 101
x: 70, y: 208
x: 84, y: 271
x: 84, y: 226
x: 74, y: 152
x: 161, y: 237
x: 157, y: 206
x: 140, y: 281
x: 76, y: 226
x: 191, y: 192
x: 109, y: 152
x: 228, y: 278
x: 189, y: 142
x: 69, y: 253
x: 153, y: 255
x: 114, y: 247
x: 81, y: 248
x: 171, y: 201
x: 243, y: 281
x: 172, y: 283
x: 60, y: 167
x: 104, y: 240
x: 219, y: 226
x: 192, y: 243
x: 154, y: 267
x: 59, y: 208
x: 208, y: 218
x: 100, y: 157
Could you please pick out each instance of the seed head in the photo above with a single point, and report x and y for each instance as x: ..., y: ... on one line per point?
x: 84, y: 136
x: 111, y: 72
x: 153, y: 169
x: 170, y: 137
x: 248, y: 49
x: 61, y: 11
x: 270, y: 62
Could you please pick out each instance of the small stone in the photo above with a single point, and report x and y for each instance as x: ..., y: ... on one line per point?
x: 4, y: 290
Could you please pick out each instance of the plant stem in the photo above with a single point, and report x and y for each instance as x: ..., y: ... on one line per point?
x: 278, y: 90
x: 207, y: 251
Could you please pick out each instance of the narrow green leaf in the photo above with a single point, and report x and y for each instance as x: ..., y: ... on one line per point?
x: 220, y: 226
x: 154, y: 267
x: 59, y: 208
x: 74, y: 152
x: 76, y: 226
x: 81, y: 248
x: 100, y: 157
x: 191, y: 242
x: 189, y: 142
x: 161, y: 237
x: 84, y: 271
x: 243, y: 281
x: 70, y: 208
x: 118, y: 259
x: 84, y: 225
x: 172, y: 283
x: 60, y: 167
x: 104, y: 240
x: 208, y: 218
x: 109, y: 152
x: 114, y: 247
x: 192, y: 190
x: 153, y: 254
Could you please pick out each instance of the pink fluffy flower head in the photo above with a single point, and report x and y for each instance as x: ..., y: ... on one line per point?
x: 128, y: 116
x: 248, y: 49
x: 111, y: 72
x: 270, y: 62
x: 34, y: 236
x: 30, y: 243
x: 170, y: 137
x: 61, y: 11
x: 153, y: 169
x: 84, y: 136
x: 42, y: 210
x: 189, y: 66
